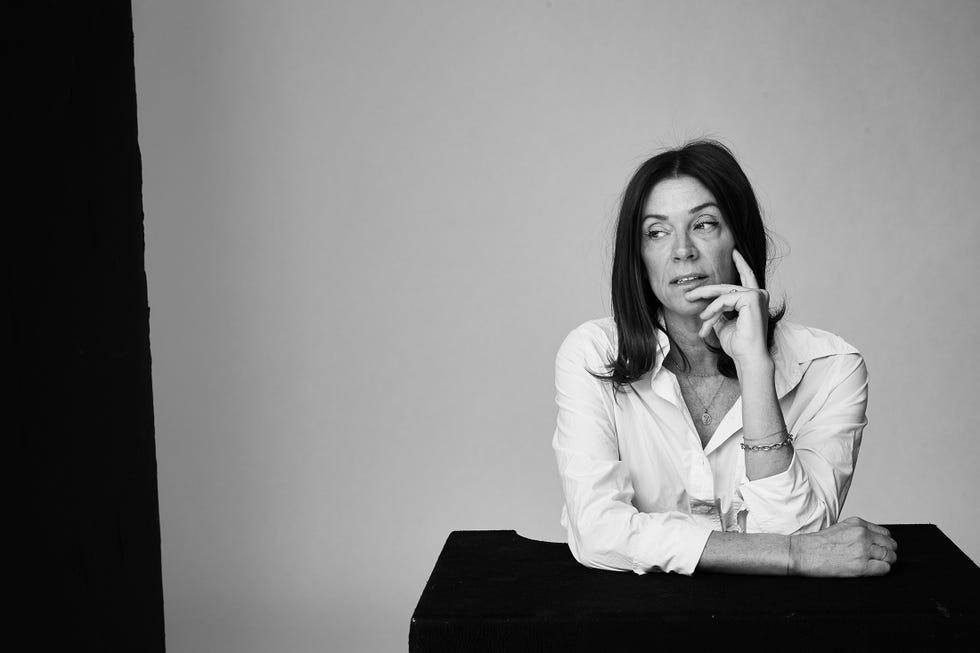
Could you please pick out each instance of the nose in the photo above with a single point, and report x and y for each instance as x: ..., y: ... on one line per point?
x: 684, y: 248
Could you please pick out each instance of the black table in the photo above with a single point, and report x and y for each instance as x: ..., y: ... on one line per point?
x: 498, y: 591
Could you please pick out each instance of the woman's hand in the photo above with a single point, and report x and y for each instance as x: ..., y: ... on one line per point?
x: 742, y: 338
x: 853, y: 547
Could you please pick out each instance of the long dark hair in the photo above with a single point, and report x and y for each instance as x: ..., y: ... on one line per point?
x: 634, y: 303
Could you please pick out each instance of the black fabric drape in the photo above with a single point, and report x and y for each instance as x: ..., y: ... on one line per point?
x: 499, y: 591
x: 76, y: 333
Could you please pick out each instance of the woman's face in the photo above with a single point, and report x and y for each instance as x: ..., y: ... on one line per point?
x: 684, y: 234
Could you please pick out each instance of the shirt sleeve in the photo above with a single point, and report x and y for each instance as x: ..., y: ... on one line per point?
x: 809, y: 495
x: 605, y: 530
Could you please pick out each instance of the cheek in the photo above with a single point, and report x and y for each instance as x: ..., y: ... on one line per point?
x: 727, y: 264
x: 654, y: 267
x: 656, y: 277
x: 731, y: 272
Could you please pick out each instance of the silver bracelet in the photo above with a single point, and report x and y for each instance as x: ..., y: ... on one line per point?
x: 788, y: 440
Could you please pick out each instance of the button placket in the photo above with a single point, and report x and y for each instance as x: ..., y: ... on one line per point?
x: 704, y: 480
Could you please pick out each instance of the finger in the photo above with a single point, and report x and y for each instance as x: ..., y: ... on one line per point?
x: 711, y: 290
x: 709, y: 325
x: 879, y: 552
x: 877, y: 568
x: 728, y: 301
x: 887, y: 542
x: 745, y: 272
x: 721, y: 322
x: 875, y: 528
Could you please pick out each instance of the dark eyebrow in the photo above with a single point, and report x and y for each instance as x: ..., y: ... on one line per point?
x: 699, y: 207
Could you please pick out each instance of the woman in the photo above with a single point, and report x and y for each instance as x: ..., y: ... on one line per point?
x: 697, y: 432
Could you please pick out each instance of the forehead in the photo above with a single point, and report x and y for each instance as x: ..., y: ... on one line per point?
x: 676, y: 196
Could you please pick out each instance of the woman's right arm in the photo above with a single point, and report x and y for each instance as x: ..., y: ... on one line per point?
x: 852, y: 547
x: 605, y: 530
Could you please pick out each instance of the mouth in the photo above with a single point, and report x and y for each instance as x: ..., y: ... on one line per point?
x: 688, y: 279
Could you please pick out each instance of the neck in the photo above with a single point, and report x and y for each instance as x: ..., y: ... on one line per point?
x: 683, y: 331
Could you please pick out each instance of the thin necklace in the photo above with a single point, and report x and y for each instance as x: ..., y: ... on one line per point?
x: 706, y: 418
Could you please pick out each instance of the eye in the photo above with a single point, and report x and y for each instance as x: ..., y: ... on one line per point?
x: 707, y: 224
x: 655, y: 234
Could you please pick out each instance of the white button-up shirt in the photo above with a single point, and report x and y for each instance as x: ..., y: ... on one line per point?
x: 642, y: 494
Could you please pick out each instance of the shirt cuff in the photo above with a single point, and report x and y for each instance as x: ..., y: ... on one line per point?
x: 782, y: 503
x: 675, y: 545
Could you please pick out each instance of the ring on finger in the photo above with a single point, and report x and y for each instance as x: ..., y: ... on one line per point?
x: 734, y: 290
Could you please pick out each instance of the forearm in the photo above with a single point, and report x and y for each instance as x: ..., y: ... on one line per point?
x: 762, y: 419
x: 746, y: 553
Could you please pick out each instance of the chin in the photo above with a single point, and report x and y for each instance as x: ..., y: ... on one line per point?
x: 688, y: 309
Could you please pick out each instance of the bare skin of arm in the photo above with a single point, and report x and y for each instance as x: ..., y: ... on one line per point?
x: 762, y: 418
x: 853, y: 547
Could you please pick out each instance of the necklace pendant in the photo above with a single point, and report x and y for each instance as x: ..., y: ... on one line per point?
x: 705, y: 418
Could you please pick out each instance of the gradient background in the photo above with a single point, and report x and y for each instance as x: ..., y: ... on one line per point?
x: 370, y: 225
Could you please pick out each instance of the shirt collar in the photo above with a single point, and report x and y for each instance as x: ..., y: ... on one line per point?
x: 794, y: 348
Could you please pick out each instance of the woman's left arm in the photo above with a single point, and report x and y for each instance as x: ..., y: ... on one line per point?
x: 798, y: 488
x: 809, y: 494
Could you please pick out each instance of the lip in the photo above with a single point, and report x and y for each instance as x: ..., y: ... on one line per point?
x: 691, y: 282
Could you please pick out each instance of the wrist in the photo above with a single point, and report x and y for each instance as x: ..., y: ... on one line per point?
x: 759, y: 364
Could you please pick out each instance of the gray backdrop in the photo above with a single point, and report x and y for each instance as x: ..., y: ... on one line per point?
x: 370, y: 225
